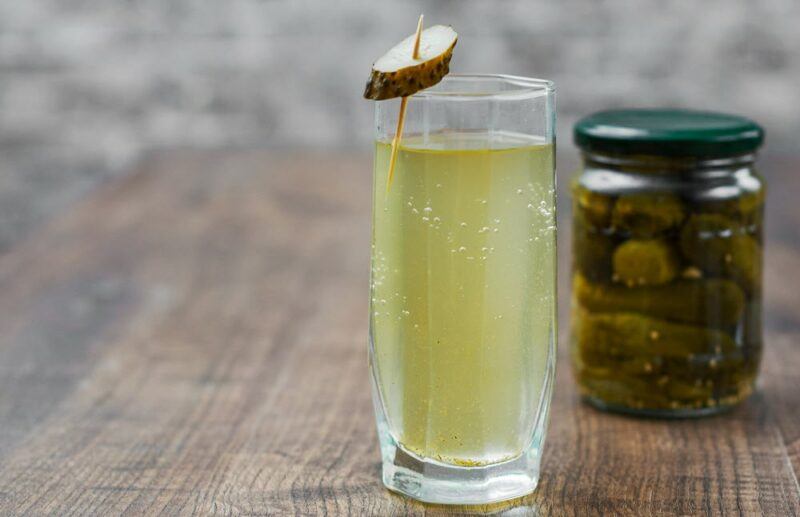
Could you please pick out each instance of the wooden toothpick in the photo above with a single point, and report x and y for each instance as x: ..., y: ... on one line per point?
x: 415, y: 54
x: 398, y: 134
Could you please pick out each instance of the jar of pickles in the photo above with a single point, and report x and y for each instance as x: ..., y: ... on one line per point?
x: 667, y: 254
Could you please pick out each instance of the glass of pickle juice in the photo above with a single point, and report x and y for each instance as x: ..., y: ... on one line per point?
x: 463, y: 288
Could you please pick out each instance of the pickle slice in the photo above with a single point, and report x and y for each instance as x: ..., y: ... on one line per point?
x: 398, y: 74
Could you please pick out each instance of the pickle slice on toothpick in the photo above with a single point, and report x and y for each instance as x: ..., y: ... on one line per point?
x: 402, y: 71
x: 417, y: 62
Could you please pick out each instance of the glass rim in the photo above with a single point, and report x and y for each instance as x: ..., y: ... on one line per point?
x: 524, y: 87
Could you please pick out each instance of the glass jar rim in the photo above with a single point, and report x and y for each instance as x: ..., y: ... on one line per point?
x: 487, y: 86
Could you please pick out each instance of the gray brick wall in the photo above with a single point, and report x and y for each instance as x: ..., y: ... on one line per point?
x: 87, y: 86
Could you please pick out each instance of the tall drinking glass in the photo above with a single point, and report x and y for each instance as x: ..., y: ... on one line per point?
x: 463, y: 288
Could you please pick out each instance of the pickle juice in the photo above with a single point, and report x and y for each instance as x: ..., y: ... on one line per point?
x: 463, y: 292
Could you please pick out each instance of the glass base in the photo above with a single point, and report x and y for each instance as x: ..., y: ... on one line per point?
x: 433, y: 482
x: 658, y: 413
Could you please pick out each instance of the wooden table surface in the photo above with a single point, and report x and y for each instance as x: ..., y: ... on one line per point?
x: 192, y: 340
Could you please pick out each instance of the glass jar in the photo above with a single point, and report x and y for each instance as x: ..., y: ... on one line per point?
x: 667, y: 259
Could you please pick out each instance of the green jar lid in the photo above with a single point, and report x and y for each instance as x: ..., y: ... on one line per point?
x: 668, y: 132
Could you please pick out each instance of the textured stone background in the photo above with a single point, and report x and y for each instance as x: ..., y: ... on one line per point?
x: 88, y: 86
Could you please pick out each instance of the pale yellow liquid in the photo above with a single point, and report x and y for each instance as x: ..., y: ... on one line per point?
x: 463, y: 292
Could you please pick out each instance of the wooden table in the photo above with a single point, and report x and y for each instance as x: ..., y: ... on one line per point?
x: 192, y: 339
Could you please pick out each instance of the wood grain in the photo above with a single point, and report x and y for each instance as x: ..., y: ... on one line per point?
x: 192, y: 340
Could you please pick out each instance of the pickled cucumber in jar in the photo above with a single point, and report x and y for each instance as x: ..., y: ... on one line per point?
x: 593, y: 208
x: 667, y: 266
x: 646, y: 262
x: 722, y: 247
x: 647, y: 215
x: 708, y: 302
